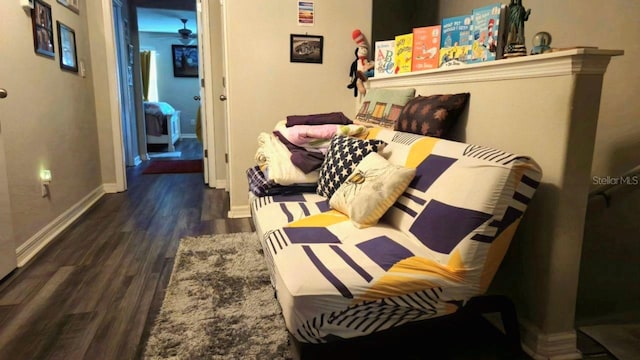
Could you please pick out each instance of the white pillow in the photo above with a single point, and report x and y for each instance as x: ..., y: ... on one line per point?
x: 371, y: 189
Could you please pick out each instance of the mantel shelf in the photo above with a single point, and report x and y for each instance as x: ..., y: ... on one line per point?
x: 566, y: 62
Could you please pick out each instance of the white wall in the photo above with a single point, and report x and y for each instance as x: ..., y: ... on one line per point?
x: 264, y: 87
x: 48, y: 122
x: 177, y: 91
x: 608, y: 25
x: 99, y: 67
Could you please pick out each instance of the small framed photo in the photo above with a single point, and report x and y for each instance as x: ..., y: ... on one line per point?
x: 306, y: 48
x: 71, y: 5
x: 67, y: 46
x: 185, y: 60
x: 42, y: 29
x: 306, y: 13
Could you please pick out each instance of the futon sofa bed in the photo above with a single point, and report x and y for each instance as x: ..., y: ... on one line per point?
x: 436, y: 244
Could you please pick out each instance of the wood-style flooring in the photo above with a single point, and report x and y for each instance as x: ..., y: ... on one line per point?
x: 94, y: 291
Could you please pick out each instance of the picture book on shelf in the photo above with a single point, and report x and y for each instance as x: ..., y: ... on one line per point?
x: 455, y: 40
x: 403, y: 49
x: 426, y: 47
x: 487, y: 32
x: 384, y: 57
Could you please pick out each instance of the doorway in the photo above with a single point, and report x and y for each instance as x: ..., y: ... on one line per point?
x: 168, y: 44
x: 207, y: 128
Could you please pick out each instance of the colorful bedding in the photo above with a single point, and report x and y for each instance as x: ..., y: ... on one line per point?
x: 439, y: 245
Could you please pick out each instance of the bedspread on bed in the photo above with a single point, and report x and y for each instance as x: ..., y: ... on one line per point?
x: 155, y: 114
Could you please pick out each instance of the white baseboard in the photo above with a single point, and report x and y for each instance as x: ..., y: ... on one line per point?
x: 37, y: 242
x: 221, y: 184
x: 188, y: 136
x: 243, y: 211
x: 554, y: 346
x: 111, y: 188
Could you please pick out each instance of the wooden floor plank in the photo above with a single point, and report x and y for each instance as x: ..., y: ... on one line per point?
x: 28, y: 318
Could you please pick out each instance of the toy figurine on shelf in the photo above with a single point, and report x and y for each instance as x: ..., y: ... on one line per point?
x: 517, y: 15
x: 362, y: 67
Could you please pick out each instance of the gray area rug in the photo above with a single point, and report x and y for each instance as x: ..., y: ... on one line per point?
x: 623, y: 341
x: 219, y: 304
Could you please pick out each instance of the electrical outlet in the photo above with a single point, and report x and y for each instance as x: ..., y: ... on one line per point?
x: 193, y: 121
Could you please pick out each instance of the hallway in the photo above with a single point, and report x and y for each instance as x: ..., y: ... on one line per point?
x: 93, y: 292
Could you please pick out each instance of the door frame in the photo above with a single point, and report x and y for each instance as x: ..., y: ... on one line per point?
x: 127, y: 109
x: 114, y: 100
x: 206, y: 92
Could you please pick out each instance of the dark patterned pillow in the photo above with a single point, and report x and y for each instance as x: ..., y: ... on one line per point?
x: 431, y: 115
x: 343, y: 155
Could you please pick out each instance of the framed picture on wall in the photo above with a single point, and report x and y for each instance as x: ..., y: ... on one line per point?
x: 71, y: 5
x: 42, y: 29
x: 67, y: 46
x: 306, y: 48
x: 185, y: 60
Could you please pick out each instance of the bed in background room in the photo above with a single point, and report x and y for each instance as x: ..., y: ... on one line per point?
x: 162, y: 123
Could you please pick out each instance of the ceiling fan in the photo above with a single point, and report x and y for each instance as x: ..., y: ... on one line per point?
x: 186, y: 35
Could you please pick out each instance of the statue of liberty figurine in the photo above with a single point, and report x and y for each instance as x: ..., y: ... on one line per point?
x: 515, y: 38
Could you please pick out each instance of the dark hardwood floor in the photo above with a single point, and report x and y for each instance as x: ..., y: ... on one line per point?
x: 94, y: 291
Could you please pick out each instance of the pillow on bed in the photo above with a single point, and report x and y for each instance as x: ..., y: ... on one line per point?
x: 344, y: 153
x: 371, y: 189
x: 432, y: 115
x: 382, y: 107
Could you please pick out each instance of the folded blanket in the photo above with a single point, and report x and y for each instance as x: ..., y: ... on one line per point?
x: 275, y: 155
x: 260, y: 185
x: 318, y: 119
x: 307, y: 161
x: 317, y: 137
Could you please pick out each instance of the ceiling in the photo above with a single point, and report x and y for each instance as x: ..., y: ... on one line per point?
x: 163, y: 20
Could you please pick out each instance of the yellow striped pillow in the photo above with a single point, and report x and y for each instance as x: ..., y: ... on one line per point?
x: 371, y: 189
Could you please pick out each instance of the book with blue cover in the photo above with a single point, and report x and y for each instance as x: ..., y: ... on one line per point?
x: 455, y: 40
x: 487, y: 32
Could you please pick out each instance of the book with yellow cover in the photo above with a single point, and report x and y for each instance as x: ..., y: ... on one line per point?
x: 404, y: 44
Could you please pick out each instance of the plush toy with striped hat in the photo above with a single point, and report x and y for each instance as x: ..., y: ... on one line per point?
x: 361, y: 68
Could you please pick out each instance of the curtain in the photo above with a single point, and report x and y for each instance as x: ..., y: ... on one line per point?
x: 145, y: 67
